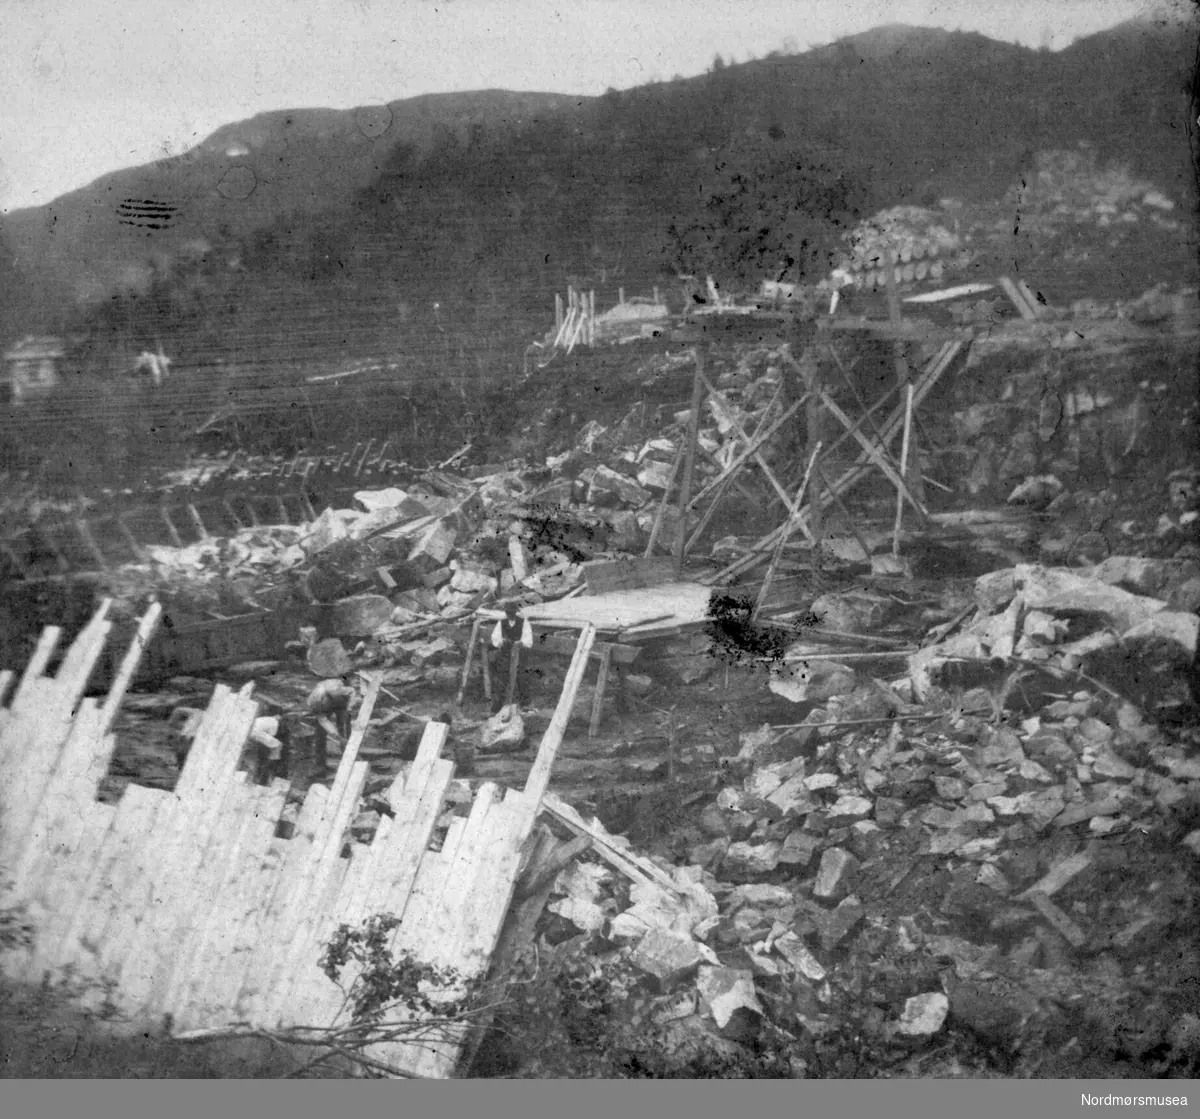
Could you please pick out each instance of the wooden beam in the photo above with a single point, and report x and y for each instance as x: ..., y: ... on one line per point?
x: 539, y: 774
x: 1017, y: 299
x: 141, y: 639
x: 466, y: 672
x: 689, y: 462
x: 784, y: 535
x: 629, y: 863
x: 748, y: 452
x: 564, y: 646
x: 666, y: 500
x: 875, y: 455
x: 598, y: 697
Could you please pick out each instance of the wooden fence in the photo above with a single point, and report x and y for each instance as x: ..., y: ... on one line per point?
x: 188, y: 904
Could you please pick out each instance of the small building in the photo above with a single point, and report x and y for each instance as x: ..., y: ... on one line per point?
x: 31, y: 368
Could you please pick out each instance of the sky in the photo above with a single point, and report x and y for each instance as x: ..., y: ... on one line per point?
x: 90, y: 86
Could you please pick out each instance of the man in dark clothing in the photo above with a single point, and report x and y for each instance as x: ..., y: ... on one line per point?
x: 513, y: 634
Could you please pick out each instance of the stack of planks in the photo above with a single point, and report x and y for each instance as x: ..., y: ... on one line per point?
x: 188, y: 904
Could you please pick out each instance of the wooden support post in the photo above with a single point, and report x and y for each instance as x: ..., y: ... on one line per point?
x: 514, y: 667
x: 666, y: 500
x: 903, y: 377
x: 598, y: 698
x: 194, y: 515
x: 784, y: 535
x: 539, y: 774
x: 689, y: 460
x: 466, y: 672
x: 89, y: 542
x: 903, y: 469
x: 282, y: 510
x: 620, y: 295
x: 231, y: 513
x: 363, y: 461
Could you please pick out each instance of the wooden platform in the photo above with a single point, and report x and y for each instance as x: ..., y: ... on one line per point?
x: 636, y: 615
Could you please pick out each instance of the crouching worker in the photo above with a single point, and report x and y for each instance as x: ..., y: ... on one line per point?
x: 513, y: 633
x: 330, y: 703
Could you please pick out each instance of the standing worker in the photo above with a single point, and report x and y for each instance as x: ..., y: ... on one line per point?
x: 514, y: 633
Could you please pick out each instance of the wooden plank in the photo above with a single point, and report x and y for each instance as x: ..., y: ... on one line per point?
x: 625, y: 611
x: 535, y: 881
x: 656, y: 527
x: 466, y: 672
x: 49, y: 796
x: 329, y: 828
x: 629, y: 863
x: 117, y: 903
x: 933, y: 371
x: 72, y: 883
x: 565, y: 647
x: 33, y: 746
x: 709, y: 513
x: 516, y: 556
x: 299, y: 970
x: 137, y: 647
x: 539, y: 773
x: 1035, y: 305
x: 275, y: 920
x: 288, y: 968
x: 606, y: 576
x: 479, y: 924
x: 211, y: 994
x: 598, y: 696
x: 198, y: 814
x: 252, y: 825
x: 689, y: 461
x: 43, y: 651
x: 435, y: 931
